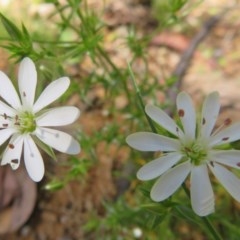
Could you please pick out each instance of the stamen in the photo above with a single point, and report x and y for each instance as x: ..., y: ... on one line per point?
x: 227, y: 121
x: 11, y: 145
x: 5, y: 116
x: 24, y: 94
x: 238, y: 164
x: 203, y: 121
x: 14, y: 161
x: 181, y: 113
x: 225, y: 138
x: 5, y: 125
x: 187, y: 149
x: 212, y: 164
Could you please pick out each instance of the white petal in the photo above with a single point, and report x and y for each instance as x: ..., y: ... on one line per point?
x: 229, y: 158
x: 188, y: 116
x: 229, y: 134
x: 27, y: 81
x: 202, y: 197
x: 13, y: 152
x: 229, y: 181
x: 8, y: 92
x: 33, y: 160
x: 52, y: 92
x: 210, y: 111
x: 147, y: 141
x: 161, y: 118
x: 158, y: 166
x: 5, y: 134
x: 5, y: 109
x: 170, y: 181
x: 58, y: 140
x: 58, y: 116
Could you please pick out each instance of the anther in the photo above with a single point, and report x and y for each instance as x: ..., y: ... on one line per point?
x: 225, y: 138
x: 11, y: 145
x: 227, y: 121
x: 181, y: 112
x: 238, y: 164
x: 212, y: 164
x: 5, y: 116
x: 24, y: 94
x: 187, y: 149
x: 15, y: 161
x: 203, y: 121
x: 5, y: 125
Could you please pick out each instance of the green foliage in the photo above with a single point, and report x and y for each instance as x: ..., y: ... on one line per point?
x: 79, y: 34
x: 21, y: 44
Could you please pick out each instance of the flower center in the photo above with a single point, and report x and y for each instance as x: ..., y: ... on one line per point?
x: 26, y: 122
x: 196, y: 153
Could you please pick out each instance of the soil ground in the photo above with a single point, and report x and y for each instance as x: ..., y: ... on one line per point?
x: 60, y: 215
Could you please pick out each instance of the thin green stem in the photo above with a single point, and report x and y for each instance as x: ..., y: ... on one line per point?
x: 140, y: 98
x: 211, y: 228
x: 108, y: 60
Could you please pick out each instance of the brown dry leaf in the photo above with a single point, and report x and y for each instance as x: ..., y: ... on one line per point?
x: 17, y: 198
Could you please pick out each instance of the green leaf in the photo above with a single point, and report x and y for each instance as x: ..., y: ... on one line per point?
x: 156, y: 220
x: 11, y: 28
x: 26, y: 34
x: 54, y: 185
x: 47, y: 149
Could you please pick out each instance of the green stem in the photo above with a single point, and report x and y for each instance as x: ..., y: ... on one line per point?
x: 108, y: 60
x: 140, y: 98
x: 211, y: 228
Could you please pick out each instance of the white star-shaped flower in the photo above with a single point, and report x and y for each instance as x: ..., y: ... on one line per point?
x: 22, y: 120
x: 193, y: 150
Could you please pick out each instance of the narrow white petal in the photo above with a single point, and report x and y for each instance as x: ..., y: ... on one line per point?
x: 13, y: 152
x: 8, y: 92
x: 158, y: 166
x: 170, y: 181
x: 147, y: 141
x: 202, y: 197
x: 229, y: 158
x: 210, y: 111
x: 187, y: 114
x: 161, y: 118
x: 229, y: 181
x: 58, y: 116
x: 27, y: 81
x: 33, y: 160
x: 58, y: 140
x: 229, y: 134
x: 5, y: 109
x: 5, y: 134
x: 52, y: 92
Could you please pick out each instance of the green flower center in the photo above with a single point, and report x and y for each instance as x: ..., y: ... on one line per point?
x: 26, y: 122
x: 196, y: 153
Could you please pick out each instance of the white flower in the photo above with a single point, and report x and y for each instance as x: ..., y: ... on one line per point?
x: 195, y: 148
x: 21, y: 120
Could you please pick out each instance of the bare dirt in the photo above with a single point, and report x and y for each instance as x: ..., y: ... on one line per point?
x: 61, y: 215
